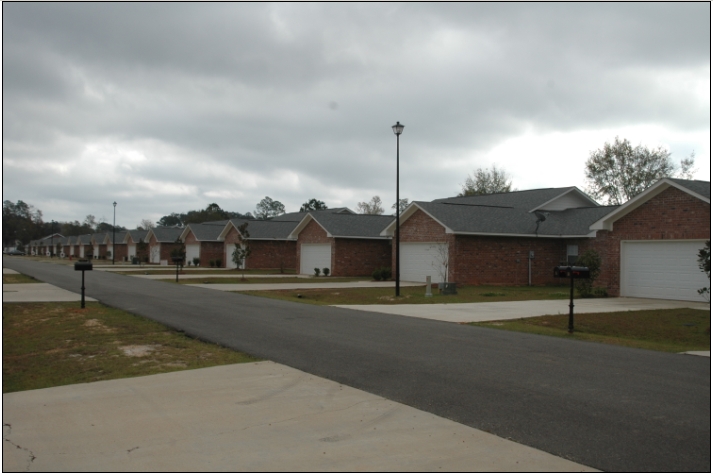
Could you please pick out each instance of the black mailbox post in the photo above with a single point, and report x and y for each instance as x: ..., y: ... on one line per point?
x: 571, y: 272
x: 178, y: 261
x: 82, y: 266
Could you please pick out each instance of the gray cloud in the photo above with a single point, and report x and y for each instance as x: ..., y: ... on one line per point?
x: 173, y: 106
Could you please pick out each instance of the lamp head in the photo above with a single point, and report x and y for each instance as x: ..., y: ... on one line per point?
x: 398, y: 128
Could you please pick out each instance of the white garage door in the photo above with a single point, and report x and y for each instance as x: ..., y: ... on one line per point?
x: 662, y: 270
x: 229, y: 250
x: 193, y: 251
x: 132, y: 251
x: 313, y: 255
x: 419, y: 260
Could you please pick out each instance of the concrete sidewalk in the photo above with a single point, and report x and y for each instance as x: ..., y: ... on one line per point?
x: 247, y: 417
x: 486, y: 311
x: 316, y: 285
x: 9, y: 271
x: 39, y: 292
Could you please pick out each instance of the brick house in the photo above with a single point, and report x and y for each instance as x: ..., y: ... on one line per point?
x: 649, y: 245
x: 201, y: 240
x: 162, y: 241
x: 513, y: 238
x: 119, y: 246
x: 133, y: 240
x: 84, y: 244
x: 349, y: 244
x: 270, y: 243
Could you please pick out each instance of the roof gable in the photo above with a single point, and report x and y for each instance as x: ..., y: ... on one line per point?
x: 347, y: 225
x: 697, y: 189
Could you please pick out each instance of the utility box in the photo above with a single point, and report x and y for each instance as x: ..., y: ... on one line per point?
x: 83, y: 266
x: 574, y: 272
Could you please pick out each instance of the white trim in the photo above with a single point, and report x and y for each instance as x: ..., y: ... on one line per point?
x: 565, y: 193
x: 364, y: 238
x: 226, y: 230
x: 607, y: 222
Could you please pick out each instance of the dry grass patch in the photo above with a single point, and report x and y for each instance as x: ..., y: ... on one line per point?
x: 54, y: 344
x: 18, y: 279
x: 671, y: 330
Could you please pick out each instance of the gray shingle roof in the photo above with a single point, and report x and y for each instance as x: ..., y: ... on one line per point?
x: 267, y: 229
x: 167, y: 234
x: 514, y: 221
x: 84, y: 239
x: 207, y: 231
x: 353, y: 225
x: 298, y: 216
x: 702, y: 188
x: 99, y: 238
x: 528, y: 199
x: 118, y: 236
x: 138, y: 235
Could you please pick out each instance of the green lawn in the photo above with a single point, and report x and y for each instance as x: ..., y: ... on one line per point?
x: 671, y: 330
x: 415, y: 295
x: 171, y: 270
x: 57, y: 343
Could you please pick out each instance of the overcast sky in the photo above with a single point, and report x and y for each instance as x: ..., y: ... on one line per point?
x: 169, y: 107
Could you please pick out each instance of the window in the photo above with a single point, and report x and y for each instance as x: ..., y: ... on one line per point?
x: 572, y: 254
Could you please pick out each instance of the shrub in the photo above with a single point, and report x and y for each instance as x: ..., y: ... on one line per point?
x: 196, y: 261
x: 212, y: 263
x: 593, y: 261
x: 600, y: 292
x: 316, y: 272
x: 325, y: 271
x: 377, y: 274
x: 385, y: 273
x: 219, y: 263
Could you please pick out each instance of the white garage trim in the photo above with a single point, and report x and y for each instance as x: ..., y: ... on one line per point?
x: 132, y: 251
x: 663, y: 269
x: 315, y: 255
x: 419, y: 260
x: 229, y: 263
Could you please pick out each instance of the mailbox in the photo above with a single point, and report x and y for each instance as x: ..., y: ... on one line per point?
x: 83, y: 266
x: 574, y: 272
x: 177, y: 259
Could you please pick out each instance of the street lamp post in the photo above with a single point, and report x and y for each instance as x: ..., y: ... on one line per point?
x: 398, y: 129
x: 113, y: 237
x: 52, y: 248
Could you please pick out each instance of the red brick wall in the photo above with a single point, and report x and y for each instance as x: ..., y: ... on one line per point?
x: 671, y: 215
x: 122, y: 251
x: 484, y: 260
x: 272, y: 254
x: 166, y: 249
x: 312, y: 233
x: 212, y: 250
x: 356, y: 257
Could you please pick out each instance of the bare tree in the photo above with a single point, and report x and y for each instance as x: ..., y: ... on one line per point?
x: 373, y: 207
x: 617, y: 172
x: 403, y: 203
x: 487, y: 181
x: 146, y: 224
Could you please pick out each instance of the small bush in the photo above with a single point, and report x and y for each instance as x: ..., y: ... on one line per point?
x: 325, y: 271
x: 600, y: 292
x: 377, y: 274
x: 385, y: 273
x: 316, y: 272
x: 593, y: 261
x: 219, y: 263
x: 196, y: 261
x: 212, y: 263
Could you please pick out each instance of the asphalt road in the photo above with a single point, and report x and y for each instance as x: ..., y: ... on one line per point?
x: 608, y: 407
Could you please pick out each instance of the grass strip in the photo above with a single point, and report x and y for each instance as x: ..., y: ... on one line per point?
x: 57, y: 343
x: 18, y: 279
x: 248, y: 280
x: 670, y: 330
x: 415, y: 295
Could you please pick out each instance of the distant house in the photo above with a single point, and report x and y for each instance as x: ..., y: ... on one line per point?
x: 132, y: 239
x: 346, y: 243
x: 201, y: 240
x: 162, y: 241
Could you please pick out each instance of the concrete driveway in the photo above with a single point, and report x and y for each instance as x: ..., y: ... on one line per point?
x: 247, y: 417
x: 486, y: 311
x: 39, y: 292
